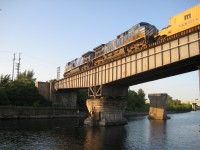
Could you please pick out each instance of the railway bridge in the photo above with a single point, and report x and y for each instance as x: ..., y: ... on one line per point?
x: 108, y: 82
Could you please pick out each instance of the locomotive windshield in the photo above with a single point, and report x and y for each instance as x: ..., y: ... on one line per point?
x: 143, y: 23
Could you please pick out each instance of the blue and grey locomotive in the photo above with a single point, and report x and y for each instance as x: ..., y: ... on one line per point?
x: 140, y: 35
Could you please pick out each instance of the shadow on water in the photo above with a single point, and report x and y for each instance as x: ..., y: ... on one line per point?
x: 61, y: 134
x: 40, y: 124
x: 38, y: 134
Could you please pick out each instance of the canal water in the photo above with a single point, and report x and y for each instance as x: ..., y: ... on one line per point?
x: 181, y: 132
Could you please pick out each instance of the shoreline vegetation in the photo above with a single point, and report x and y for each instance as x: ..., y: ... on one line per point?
x: 21, y: 99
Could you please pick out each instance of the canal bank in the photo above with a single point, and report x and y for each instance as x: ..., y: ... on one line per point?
x: 133, y: 113
x: 38, y: 113
x: 49, y: 112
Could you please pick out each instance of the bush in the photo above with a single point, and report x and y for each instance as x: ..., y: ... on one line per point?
x: 3, y: 96
x: 21, y: 92
x: 136, y: 101
x: 175, y: 105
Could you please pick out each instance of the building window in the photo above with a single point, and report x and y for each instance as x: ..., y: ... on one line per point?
x: 188, y: 16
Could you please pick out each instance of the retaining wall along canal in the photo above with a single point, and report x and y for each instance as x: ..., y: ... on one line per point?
x: 12, y: 113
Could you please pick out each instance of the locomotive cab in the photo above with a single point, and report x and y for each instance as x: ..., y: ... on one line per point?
x: 149, y: 31
x: 69, y: 66
x: 88, y: 59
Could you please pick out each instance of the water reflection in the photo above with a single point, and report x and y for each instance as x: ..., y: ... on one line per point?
x: 180, y: 132
x: 105, y: 138
x: 157, y: 134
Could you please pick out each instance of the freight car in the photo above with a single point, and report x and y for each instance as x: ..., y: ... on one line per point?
x: 182, y: 21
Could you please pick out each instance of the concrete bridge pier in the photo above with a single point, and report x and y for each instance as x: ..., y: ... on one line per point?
x: 109, y: 108
x: 157, y: 108
x: 194, y: 106
x: 63, y: 98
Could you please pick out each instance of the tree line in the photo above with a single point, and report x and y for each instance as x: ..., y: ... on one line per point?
x: 21, y: 92
x: 175, y: 105
x: 137, y: 102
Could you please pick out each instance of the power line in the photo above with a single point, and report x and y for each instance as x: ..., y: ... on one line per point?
x: 34, y: 58
x: 42, y: 60
x: 1, y: 51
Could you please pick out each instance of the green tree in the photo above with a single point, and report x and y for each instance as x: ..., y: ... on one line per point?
x: 175, y: 105
x: 3, y: 96
x: 132, y: 98
x: 141, y: 98
x: 21, y: 92
x: 26, y: 76
x: 4, y: 79
x: 136, y: 100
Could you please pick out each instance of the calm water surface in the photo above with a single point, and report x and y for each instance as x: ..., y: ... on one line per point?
x: 182, y: 131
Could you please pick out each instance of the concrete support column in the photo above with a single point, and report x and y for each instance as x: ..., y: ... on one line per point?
x: 43, y: 89
x: 105, y: 112
x: 194, y: 106
x: 157, y: 108
x: 63, y: 98
x: 109, y: 108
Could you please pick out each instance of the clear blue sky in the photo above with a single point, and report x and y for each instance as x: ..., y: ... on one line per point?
x: 50, y: 33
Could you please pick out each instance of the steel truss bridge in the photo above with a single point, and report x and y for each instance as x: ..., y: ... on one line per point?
x: 179, y: 53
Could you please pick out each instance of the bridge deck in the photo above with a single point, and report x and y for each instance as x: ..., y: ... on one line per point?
x: 177, y: 55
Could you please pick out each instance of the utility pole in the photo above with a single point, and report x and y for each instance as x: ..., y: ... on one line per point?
x: 58, y: 73
x: 13, y: 68
x: 18, y: 64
